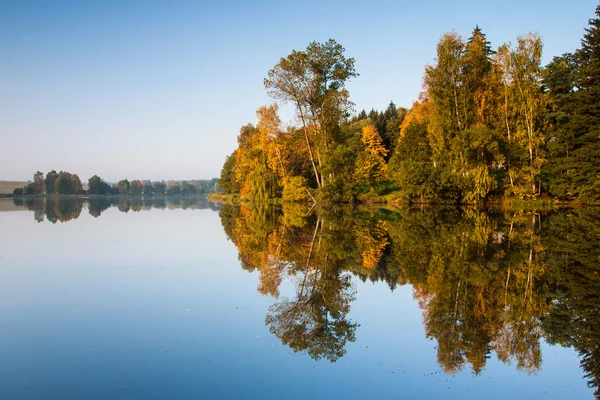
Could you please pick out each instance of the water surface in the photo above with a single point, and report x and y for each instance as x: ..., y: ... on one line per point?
x: 180, y: 298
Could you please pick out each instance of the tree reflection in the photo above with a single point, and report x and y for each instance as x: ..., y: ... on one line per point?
x: 572, y: 258
x: 487, y: 282
x: 97, y: 205
x: 67, y: 208
x: 284, y: 245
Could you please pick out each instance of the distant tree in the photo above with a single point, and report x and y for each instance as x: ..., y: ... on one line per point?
x: 38, y: 183
x: 183, y: 186
x: 67, y: 183
x: 97, y: 186
x: 28, y: 190
x: 123, y: 186
x: 186, y: 188
x: 173, y: 190
x: 160, y: 187
x: 135, y: 187
x: 148, y: 189
x: 49, y: 181
x: 18, y: 192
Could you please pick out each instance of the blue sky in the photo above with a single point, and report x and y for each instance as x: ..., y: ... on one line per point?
x: 159, y: 89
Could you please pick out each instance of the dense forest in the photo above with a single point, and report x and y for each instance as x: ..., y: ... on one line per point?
x: 489, y: 124
x: 66, y: 183
x: 488, y: 282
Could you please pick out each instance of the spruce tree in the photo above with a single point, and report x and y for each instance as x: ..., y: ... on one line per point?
x: 572, y: 83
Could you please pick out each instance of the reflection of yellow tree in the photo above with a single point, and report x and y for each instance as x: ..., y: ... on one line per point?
x: 372, y: 239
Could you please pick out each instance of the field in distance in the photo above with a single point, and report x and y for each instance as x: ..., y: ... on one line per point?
x: 7, y: 187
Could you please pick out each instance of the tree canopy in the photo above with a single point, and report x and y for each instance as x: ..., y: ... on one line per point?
x: 491, y: 123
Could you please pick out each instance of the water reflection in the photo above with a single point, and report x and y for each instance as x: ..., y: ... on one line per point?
x: 67, y: 208
x: 487, y: 282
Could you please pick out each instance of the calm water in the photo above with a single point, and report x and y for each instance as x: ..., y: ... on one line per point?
x: 183, y: 299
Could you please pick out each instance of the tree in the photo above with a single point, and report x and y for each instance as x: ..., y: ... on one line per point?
x: 49, y: 181
x: 173, y: 190
x: 371, y: 167
x: 97, y: 186
x: 149, y: 189
x: 38, y: 185
x: 411, y: 166
x: 186, y: 188
x: 28, y: 190
x: 227, y: 181
x: 67, y: 183
x: 135, y: 187
x: 572, y: 84
x: 160, y: 187
x: 18, y: 192
x: 314, y: 82
x: 123, y: 186
x: 463, y: 145
x: 476, y: 68
x: 256, y: 179
x: 529, y: 103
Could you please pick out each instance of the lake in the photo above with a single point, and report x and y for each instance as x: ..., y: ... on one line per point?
x: 181, y: 298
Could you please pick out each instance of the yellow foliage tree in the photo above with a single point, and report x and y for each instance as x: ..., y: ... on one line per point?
x: 371, y: 166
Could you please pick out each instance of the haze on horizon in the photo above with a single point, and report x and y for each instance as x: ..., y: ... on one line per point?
x: 159, y: 90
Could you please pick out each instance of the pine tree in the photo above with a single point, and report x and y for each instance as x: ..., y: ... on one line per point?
x: 587, y: 125
x: 572, y: 83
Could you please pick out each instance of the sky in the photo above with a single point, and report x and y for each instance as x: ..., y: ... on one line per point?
x: 159, y: 89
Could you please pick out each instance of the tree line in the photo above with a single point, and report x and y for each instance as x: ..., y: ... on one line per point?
x: 64, y: 183
x: 489, y: 124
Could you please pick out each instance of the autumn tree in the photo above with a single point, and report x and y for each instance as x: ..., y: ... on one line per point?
x: 97, y: 186
x: 123, y: 186
x: 463, y: 145
x: 411, y: 166
x: 371, y: 167
x: 314, y: 81
x: 67, y: 183
x: 49, y: 181
x: 227, y: 180
x: 135, y: 187
x: 530, y: 107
